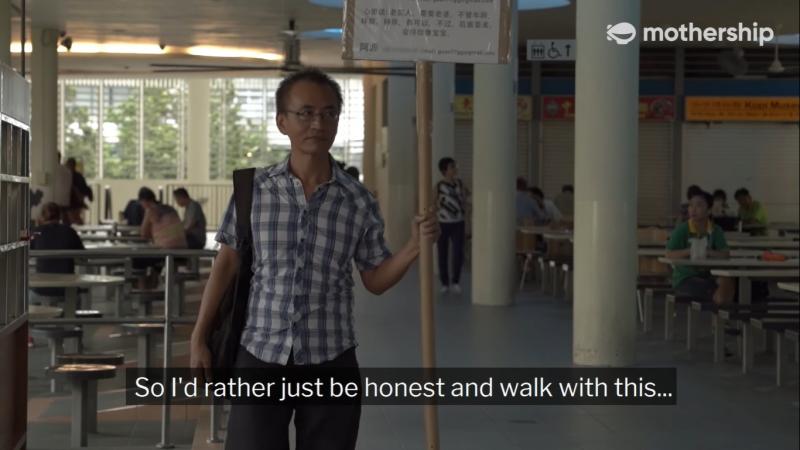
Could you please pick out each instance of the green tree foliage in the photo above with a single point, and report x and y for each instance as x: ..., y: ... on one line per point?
x: 121, y: 133
x: 80, y: 132
x: 162, y: 116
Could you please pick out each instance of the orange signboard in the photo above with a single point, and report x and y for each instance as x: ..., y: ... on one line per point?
x: 464, y: 106
x: 745, y: 109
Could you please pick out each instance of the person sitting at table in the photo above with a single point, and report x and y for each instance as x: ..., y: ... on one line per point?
x: 565, y: 201
x: 51, y: 234
x: 751, y: 212
x: 163, y: 225
x: 528, y: 212
x: 691, y: 281
x: 691, y: 191
x: 194, y: 221
x: 720, y: 207
x: 550, y: 214
x: 133, y: 213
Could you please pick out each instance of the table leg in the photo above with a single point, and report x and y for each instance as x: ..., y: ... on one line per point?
x: 71, y: 302
x: 744, y: 291
x: 79, y: 403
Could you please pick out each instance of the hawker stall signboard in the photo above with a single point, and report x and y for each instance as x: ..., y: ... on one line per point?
x: 463, y: 31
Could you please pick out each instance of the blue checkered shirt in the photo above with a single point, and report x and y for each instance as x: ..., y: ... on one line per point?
x: 301, y: 294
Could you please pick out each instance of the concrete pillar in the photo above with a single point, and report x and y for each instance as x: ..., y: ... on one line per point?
x: 444, y: 121
x: 44, y: 101
x: 494, y: 155
x: 401, y: 164
x: 197, y: 142
x: 5, y: 32
x: 606, y: 142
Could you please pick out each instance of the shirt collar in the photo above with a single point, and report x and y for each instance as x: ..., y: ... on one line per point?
x: 693, y: 229
x: 282, y: 168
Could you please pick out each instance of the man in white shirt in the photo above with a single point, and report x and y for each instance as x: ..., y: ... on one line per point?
x: 551, y: 213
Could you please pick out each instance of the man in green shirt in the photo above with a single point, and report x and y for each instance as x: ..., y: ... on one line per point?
x: 694, y: 281
x: 751, y: 212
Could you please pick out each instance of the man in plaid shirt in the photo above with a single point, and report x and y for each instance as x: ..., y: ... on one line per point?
x: 309, y: 220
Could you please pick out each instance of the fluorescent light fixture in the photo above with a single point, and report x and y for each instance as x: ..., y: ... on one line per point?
x: 523, y: 5
x: 95, y: 48
x: 787, y: 39
x: 527, y: 5
x: 327, y: 33
x: 232, y: 52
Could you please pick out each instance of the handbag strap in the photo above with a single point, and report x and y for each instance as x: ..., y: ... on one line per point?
x: 243, y: 198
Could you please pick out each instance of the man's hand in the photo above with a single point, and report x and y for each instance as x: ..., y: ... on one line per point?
x: 425, y: 227
x: 200, y: 358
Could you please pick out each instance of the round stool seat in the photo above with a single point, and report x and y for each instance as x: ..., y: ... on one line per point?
x: 56, y: 331
x: 77, y: 372
x: 111, y: 359
x: 88, y: 314
x: 144, y: 328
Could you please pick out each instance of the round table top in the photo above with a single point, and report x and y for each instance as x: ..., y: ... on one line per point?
x: 44, y: 312
x: 72, y: 280
x: 86, y: 371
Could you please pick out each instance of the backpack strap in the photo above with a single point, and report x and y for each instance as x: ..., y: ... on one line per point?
x: 243, y: 198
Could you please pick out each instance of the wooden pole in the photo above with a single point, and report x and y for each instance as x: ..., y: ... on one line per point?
x: 424, y: 139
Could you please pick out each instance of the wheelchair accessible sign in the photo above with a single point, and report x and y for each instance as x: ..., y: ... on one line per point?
x: 551, y: 50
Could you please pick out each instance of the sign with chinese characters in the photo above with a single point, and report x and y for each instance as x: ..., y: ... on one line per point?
x: 551, y: 50
x: 743, y: 109
x: 651, y: 107
x: 464, y: 106
x: 463, y: 31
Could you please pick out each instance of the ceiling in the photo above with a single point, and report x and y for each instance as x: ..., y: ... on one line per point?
x: 257, y: 24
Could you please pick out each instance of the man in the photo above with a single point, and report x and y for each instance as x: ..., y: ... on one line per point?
x: 690, y: 281
x: 528, y: 212
x: 79, y: 193
x: 550, y: 214
x: 310, y: 220
x: 451, y: 200
x: 194, y: 221
x: 751, y: 212
x: 163, y: 225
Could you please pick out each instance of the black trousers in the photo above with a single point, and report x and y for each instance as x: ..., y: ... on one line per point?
x: 451, y: 232
x: 317, y: 427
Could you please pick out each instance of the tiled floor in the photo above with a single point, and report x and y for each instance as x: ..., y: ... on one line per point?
x: 718, y: 408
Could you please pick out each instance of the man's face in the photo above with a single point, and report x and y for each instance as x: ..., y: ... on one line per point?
x: 311, y: 117
x: 146, y: 204
x: 451, y: 172
x: 698, y: 209
x: 744, y: 201
x: 181, y: 201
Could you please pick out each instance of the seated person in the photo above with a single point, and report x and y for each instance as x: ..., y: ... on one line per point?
x: 751, y: 212
x: 565, y: 201
x: 194, y: 221
x: 134, y: 213
x: 550, y: 214
x: 691, y: 191
x: 163, y: 225
x: 51, y: 234
x: 528, y: 212
x: 697, y: 282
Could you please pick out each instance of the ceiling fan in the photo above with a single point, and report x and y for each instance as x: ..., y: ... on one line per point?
x: 291, y: 58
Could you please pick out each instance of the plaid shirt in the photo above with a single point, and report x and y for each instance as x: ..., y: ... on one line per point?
x: 301, y: 294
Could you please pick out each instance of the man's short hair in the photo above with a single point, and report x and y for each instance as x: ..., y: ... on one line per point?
x: 568, y: 188
x: 313, y: 75
x: 146, y: 193
x: 536, y: 192
x: 692, y: 191
x: 719, y: 193
x: 444, y: 163
x: 521, y: 184
x: 71, y: 162
x: 741, y: 192
x: 180, y: 192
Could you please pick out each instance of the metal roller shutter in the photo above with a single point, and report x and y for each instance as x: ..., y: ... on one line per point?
x: 763, y: 157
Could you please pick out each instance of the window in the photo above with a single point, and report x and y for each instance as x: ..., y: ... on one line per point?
x: 124, y: 129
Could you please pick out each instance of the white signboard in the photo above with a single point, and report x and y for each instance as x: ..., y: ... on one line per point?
x: 551, y: 50
x: 466, y: 31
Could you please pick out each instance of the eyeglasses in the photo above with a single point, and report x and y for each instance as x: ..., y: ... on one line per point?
x: 308, y: 116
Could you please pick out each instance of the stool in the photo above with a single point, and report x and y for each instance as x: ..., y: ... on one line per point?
x: 80, y: 376
x: 144, y: 340
x: 55, y: 336
x: 110, y: 359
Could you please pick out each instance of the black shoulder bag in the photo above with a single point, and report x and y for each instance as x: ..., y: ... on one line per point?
x: 232, y: 313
